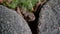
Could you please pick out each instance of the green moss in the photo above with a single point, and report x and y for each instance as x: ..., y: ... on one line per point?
x: 28, y: 4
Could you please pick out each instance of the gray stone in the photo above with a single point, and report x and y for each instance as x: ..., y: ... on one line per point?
x: 49, y: 18
x: 12, y: 23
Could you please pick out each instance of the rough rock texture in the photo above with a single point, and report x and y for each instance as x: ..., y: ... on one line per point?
x: 49, y: 18
x: 12, y: 23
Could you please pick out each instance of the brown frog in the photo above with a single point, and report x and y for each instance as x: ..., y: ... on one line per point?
x: 28, y: 16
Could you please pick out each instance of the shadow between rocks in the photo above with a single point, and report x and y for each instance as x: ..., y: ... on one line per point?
x: 34, y: 24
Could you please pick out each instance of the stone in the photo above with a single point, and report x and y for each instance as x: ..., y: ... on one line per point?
x: 49, y: 18
x: 12, y: 23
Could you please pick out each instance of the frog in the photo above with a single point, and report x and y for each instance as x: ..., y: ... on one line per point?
x: 28, y: 16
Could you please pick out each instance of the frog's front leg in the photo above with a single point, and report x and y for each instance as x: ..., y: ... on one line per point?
x: 18, y: 11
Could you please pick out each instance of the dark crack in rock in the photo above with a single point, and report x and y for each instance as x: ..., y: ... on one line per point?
x: 49, y: 18
x: 12, y: 23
